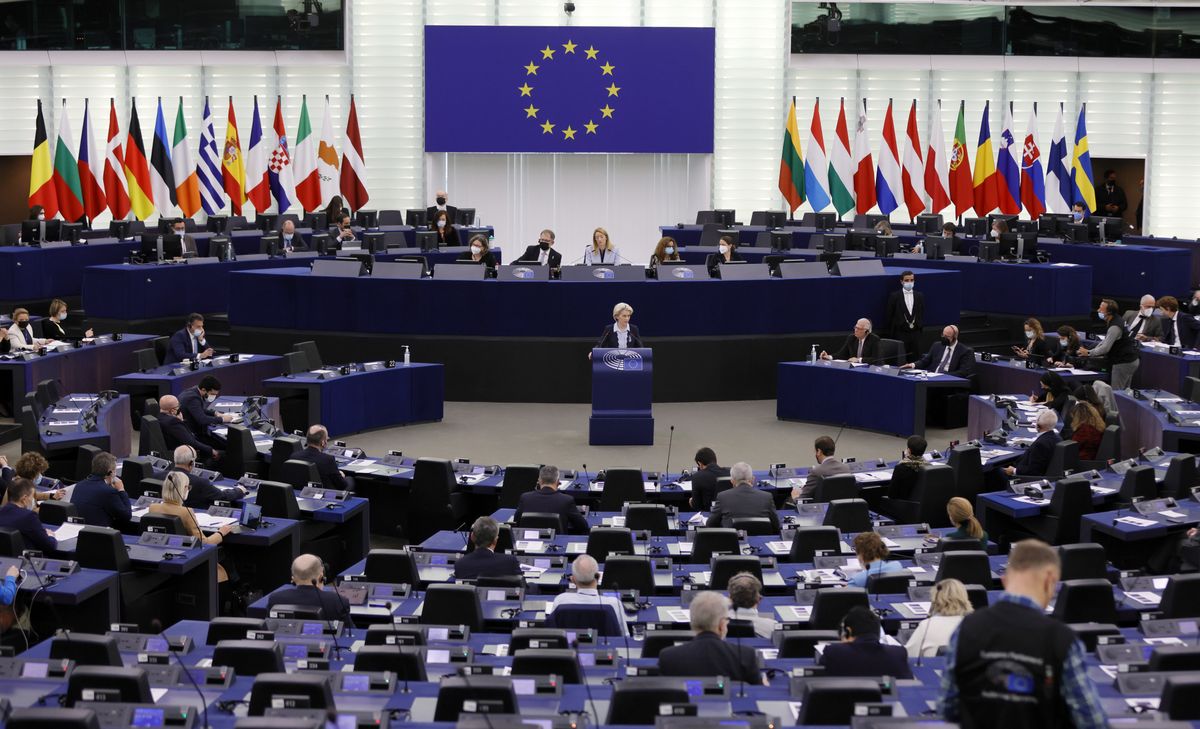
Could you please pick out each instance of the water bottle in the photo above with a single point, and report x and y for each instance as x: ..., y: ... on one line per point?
x: 812, y: 356
x: 407, y: 359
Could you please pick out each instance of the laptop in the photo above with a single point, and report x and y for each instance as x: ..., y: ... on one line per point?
x: 250, y: 518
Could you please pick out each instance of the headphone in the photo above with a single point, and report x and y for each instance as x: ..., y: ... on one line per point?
x: 844, y: 631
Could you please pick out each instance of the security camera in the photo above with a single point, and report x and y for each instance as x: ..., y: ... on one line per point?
x: 568, y: 8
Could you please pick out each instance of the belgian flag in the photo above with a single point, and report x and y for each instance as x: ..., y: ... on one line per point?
x: 41, y: 170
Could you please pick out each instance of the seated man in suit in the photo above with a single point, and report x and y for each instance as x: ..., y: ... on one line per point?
x: 585, y: 574
x: 860, y: 654
x: 483, y: 560
x: 315, y: 441
x: 100, y: 498
x: 1142, y: 324
x: 288, y: 240
x: 1178, y: 329
x: 20, y: 515
x: 1036, y: 459
x: 861, y: 346
x: 186, y: 242
x: 546, y: 499
x: 543, y: 254
x: 704, y: 480
x: 175, y: 431
x: 188, y: 343
x: 948, y: 356
x: 827, y: 465
x: 440, y: 198
x: 202, y: 493
x: 743, y: 500
x: 308, y: 582
x: 345, y: 233
x: 198, y: 414
x: 708, y: 653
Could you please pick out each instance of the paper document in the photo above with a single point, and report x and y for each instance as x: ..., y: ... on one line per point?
x: 677, y: 615
x: 1160, y: 583
x: 1134, y: 521
x: 59, y: 423
x: 205, y: 521
x: 1031, y: 500
x: 67, y: 411
x: 697, y: 518
x: 1144, y: 598
x: 799, y: 613
x: 529, y: 545
x: 891, y: 543
x: 917, y: 608
x: 779, y: 547
x: 68, y: 531
x: 82, y: 398
x: 1173, y: 514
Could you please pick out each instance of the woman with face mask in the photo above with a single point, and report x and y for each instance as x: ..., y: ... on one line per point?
x: 55, y: 325
x: 21, y: 335
x: 726, y: 252
x: 447, y: 233
x: 1035, y: 347
x: 666, y: 250
x: 478, y: 252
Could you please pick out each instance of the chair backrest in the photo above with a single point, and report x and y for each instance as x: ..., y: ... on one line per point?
x: 249, y: 657
x: 1139, y: 482
x: 963, y: 544
x: 621, y: 486
x: 168, y: 523
x: 54, y: 513
x: 1083, y: 561
x: 278, y: 500
x: 1181, y: 599
x: 150, y: 407
x: 967, y: 465
x: 31, y: 441
x: 755, y: 526
x: 1191, y: 389
x: 298, y: 474
x: 31, y: 399
x: 712, y: 540
x: 725, y: 566
x: 151, y: 439
x: 517, y: 480
x: 83, y: 460
x: 628, y: 572
x: 832, y: 488
x: 1175, y: 658
x: 146, y: 359
x: 457, y: 694
x: 849, y: 515
x: 268, y: 688
x: 1065, y: 458
x: 891, y: 352
x: 49, y: 391
x: 433, y: 480
x: 1072, y: 498
x: 395, y: 566
x: 45, y: 717
x: 160, y: 347
x: 406, y: 661
x: 1085, y: 601
x: 86, y: 649
x: 101, y: 548
x: 637, y: 700
x: 240, y: 453
x: 452, y: 605
x: 225, y: 628
x: 656, y: 641
x: 295, y: 363
x: 604, y: 540
x: 830, y: 606
x: 1181, y: 476
x: 808, y: 540
x: 131, y: 684
x: 283, y: 447
x: 523, y: 638
x: 933, y: 489
x: 969, y: 568
x: 561, y: 662
x: 1110, y: 444
x: 312, y: 355
x: 1180, y: 697
x: 648, y: 517
x: 599, y: 618
x: 541, y: 520
x: 891, y: 583
x: 11, y: 543
x: 828, y: 700
x: 802, y: 643
x: 740, y: 628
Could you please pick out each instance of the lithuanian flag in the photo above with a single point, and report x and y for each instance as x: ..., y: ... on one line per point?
x: 41, y: 170
x: 791, y: 164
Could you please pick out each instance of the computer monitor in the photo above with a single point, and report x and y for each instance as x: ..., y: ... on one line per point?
x: 770, y: 218
x: 218, y: 223
x: 929, y: 224
x: 780, y: 240
x: 989, y: 250
x: 1009, y: 220
x: 1008, y: 245
x: 270, y: 244
x: 70, y: 231
x: 1051, y: 224
x: 367, y: 218
x: 119, y: 229
x: 723, y: 218
x: 33, y: 231
x: 465, y: 216
x: 1027, y: 246
x: 220, y: 248
x: 1109, y: 229
x: 976, y: 226
x: 1076, y: 232
x: 316, y: 221
x: 150, y: 249
x: 829, y: 243
x: 886, y: 245
x: 322, y: 244
x: 375, y: 242
x: 427, y: 240
x: 861, y: 241
x: 824, y: 221
x: 937, y: 247
x: 863, y: 221
x: 416, y: 218
x: 172, y: 246
x: 251, y: 516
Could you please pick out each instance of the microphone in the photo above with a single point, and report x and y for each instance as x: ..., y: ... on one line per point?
x: 587, y: 480
x: 191, y: 679
x: 921, y: 647
x: 839, y: 434
x: 337, y: 648
x: 670, y: 442
x: 741, y: 679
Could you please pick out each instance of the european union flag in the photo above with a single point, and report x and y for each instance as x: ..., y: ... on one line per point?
x: 568, y: 89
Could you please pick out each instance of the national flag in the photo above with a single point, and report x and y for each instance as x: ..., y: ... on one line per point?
x: 66, y: 172
x: 258, y: 186
x: 864, y: 171
x: 308, y: 182
x: 116, y: 189
x: 94, y: 201
x: 1082, y: 188
x: 162, y: 175
x: 986, y: 196
x: 41, y: 170
x: 1033, y: 184
x: 841, y: 166
x: 279, y: 167
x: 137, y: 169
x: 1008, y: 171
x: 816, y: 166
x: 937, y: 172
x: 354, y: 165
x: 328, y: 166
x: 1058, y: 172
x: 233, y: 168
x: 212, y: 195
x: 791, y: 163
x: 962, y: 188
x: 187, y: 181
x: 888, y: 187
x: 912, y: 170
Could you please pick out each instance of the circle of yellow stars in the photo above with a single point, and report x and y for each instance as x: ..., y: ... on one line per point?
x: 569, y: 48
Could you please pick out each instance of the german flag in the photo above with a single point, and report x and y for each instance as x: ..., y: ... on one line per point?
x: 41, y: 170
x: 137, y: 170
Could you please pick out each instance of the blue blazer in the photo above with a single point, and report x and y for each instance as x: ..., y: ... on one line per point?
x: 866, y: 658
x: 333, y: 606
x: 485, y: 563
x: 180, y: 347
x: 100, y: 504
x: 331, y: 477
x: 27, y: 523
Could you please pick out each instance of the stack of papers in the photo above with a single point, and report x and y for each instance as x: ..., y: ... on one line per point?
x: 68, y: 531
x: 800, y: 613
x: 205, y: 521
x: 1144, y: 598
x: 1134, y: 521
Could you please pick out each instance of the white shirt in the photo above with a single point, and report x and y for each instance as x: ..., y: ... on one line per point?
x: 622, y: 337
x: 944, y: 363
x: 589, y: 596
x: 764, y: 626
x: 543, y: 257
x: 931, y: 634
x: 908, y: 300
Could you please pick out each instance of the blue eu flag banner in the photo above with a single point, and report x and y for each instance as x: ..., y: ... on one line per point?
x: 568, y: 89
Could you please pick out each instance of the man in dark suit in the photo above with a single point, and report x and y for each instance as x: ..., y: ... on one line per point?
x: 308, y: 581
x: 705, y: 479
x: 906, y: 315
x: 186, y: 242
x: 202, y: 493
x: 1142, y: 324
x: 1178, y: 329
x: 1110, y: 197
x: 189, y: 342
x: 1036, y: 459
x: 288, y: 240
x: 708, y: 653
x: 440, y: 198
x: 543, y: 254
x: 100, y: 498
x: 948, y: 356
x: 860, y: 654
x: 196, y: 405
x: 175, y: 431
x: 546, y: 499
x: 315, y: 441
x: 742, y: 501
x: 823, y: 449
x: 861, y: 346
x: 483, y: 560
x: 20, y: 514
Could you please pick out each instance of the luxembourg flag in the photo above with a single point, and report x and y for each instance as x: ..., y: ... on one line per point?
x: 887, y: 175
x: 816, y: 166
x: 1058, y: 177
x: 1008, y: 175
x: 913, y: 172
x: 1033, y: 190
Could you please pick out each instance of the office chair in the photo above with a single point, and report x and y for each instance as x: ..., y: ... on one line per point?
x: 603, y: 541
x: 636, y: 700
x: 1085, y: 601
x: 283, y: 448
x: 599, y: 618
x: 146, y: 359
x: 969, y: 568
x: 150, y: 407
x: 406, y: 661
x: 240, y: 455
x: 391, y: 217
x: 55, y: 513
x: 31, y: 399
x: 131, y: 684
x: 83, y: 460
x: 891, y: 583
x: 628, y: 572
x: 11, y: 543
x: 755, y: 526
x: 1138, y: 482
x: 452, y: 605
x: 102, y: 548
x: 891, y: 352
x: 725, y: 566
x: 1180, y: 697
x: 648, y: 517
x: 848, y: 515
x: 1175, y: 658
x: 933, y: 488
x: 455, y: 693
x: 168, y: 524
x: 224, y: 628
x: 832, y: 700
x: 393, y: 566
x: 517, y: 480
x: 803, y: 643
x: 541, y: 520
x: 299, y: 474
x: 656, y: 641
x: 31, y: 441
x: 830, y: 606
x: 433, y: 502
x: 1181, y: 598
x: 523, y: 638
x: 249, y: 657
x: 1181, y: 476
x: 967, y: 465
x: 314, y: 688
x: 294, y: 363
x: 832, y: 488
x: 311, y: 354
x: 1085, y: 561
x: 807, y: 541
x: 621, y: 486
x: 714, y: 540
x: 1108, y: 450
x: 49, y: 391
x: 1059, y: 523
x: 561, y: 662
x: 1065, y: 458
x: 86, y: 649
x: 151, y: 439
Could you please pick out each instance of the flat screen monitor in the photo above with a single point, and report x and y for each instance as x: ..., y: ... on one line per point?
x: 266, y: 222
x: 1008, y: 245
x: 427, y: 240
x: 375, y: 242
x: 859, y: 241
x: 1076, y: 232
x: 322, y: 244
x: 367, y: 218
x: 316, y: 221
x: 929, y: 224
x: 172, y: 246
x: 33, y: 231
x: 149, y: 248
x: 270, y: 244
x: 886, y: 245
x: 416, y: 218
x: 976, y: 226
x: 70, y: 231
x: 119, y: 229
x: 937, y: 247
x: 465, y: 216
x: 1009, y: 220
x: 824, y: 221
x: 1108, y: 229
x: 770, y: 218
x: 829, y: 243
x: 220, y: 248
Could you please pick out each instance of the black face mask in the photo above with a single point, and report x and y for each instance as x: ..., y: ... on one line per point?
x: 441, y: 201
x: 23, y: 324
x: 544, y: 246
x: 946, y: 341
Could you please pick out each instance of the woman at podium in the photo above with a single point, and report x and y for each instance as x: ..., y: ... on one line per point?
x: 665, y: 251
x: 620, y: 334
x: 602, y: 250
x: 478, y: 252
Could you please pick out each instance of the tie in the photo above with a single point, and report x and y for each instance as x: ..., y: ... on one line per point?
x: 1174, y: 331
x: 195, y: 344
x: 860, y: 346
x: 28, y: 336
x: 945, y: 361
x: 1137, y: 325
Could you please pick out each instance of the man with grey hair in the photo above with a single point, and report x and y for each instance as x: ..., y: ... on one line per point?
x: 547, y: 499
x: 861, y: 346
x: 308, y: 589
x: 483, y: 560
x: 1142, y: 324
x: 1036, y: 459
x: 743, y: 501
x: 708, y: 654
x: 585, y: 575
x: 202, y: 493
x: 313, y: 451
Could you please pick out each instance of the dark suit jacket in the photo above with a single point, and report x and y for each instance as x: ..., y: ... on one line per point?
x: 1036, y: 459
x: 866, y: 658
x: 100, y: 504
x: 27, y: 523
x: 742, y: 502
x: 850, y: 348
x: 704, y: 486
x: 298, y: 243
x: 450, y: 210
x: 829, y: 467
x: 447, y: 236
x: 552, y: 501
x: 708, y: 655
x: 1188, y: 329
x: 176, y: 433
x: 203, y: 493
x: 962, y: 360
x: 52, y: 329
x: 333, y: 606
x: 486, y: 563
x: 187, y: 245
x: 1039, y: 350
x: 488, y: 259
x: 196, y: 413
x: 331, y: 477
x: 608, y: 338
x: 896, y: 321
x: 180, y: 347
x: 533, y: 254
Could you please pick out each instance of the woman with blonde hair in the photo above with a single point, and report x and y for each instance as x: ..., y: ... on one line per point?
x: 1035, y: 347
x: 601, y: 251
x: 966, y: 526
x: 948, y: 605
x: 176, y: 490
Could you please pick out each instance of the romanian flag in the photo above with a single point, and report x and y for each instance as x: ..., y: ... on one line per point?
x: 137, y: 169
x: 986, y: 196
x: 962, y: 189
x: 66, y: 172
x: 1082, y: 189
x: 233, y: 170
x: 791, y: 164
x: 41, y: 170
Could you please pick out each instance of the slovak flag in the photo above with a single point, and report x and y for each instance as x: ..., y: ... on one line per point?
x: 1033, y: 183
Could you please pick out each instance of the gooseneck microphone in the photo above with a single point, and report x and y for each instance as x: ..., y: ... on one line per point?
x: 670, y: 442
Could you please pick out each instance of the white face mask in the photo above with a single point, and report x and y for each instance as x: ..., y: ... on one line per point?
x: 62, y: 316
x: 476, y: 250
x: 908, y: 285
x: 41, y: 216
x: 1078, y: 217
x: 1029, y: 334
x: 723, y: 249
x: 441, y: 223
x: 669, y: 251
x: 995, y: 233
x: 210, y: 397
x: 1148, y: 311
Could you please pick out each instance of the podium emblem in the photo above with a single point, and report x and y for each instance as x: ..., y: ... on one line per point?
x: 522, y: 272
x: 681, y: 272
x: 623, y: 360
x: 603, y: 273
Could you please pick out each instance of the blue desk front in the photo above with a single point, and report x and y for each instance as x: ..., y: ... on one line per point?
x: 1161, y: 370
x: 1028, y: 289
x: 1146, y: 424
x: 40, y: 274
x: 244, y: 377
x: 86, y: 600
x: 1004, y: 376
x: 1191, y: 246
x: 1127, y: 271
x: 571, y: 308
x: 90, y: 368
x: 61, y: 430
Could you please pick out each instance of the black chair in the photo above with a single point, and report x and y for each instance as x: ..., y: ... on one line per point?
x: 294, y: 363
x: 1108, y: 450
x: 31, y: 441
x: 891, y: 583
x: 391, y: 634
x: 168, y: 524
x: 150, y: 407
x: 714, y: 540
x: 628, y: 572
x: 146, y: 485
x: 599, y: 618
x: 1085, y: 601
x: 406, y: 661
x: 1180, y: 697
x: 32, y: 401
x: 102, y: 548
x: 621, y: 486
x: 541, y: 520
x: 220, y: 629
x: 1181, y: 599
x: 391, y: 217
x: 393, y: 566
x: 517, y: 480
x: 755, y: 526
x: 802, y: 643
x: 603, y: 541
x: 299, y: 474
x: 831, y: 488
x: 1181, y: 476
x: 131, y: 684
x: 740, y: 628
x: 1090, y: 633
x: 1065, y: 458
x: 969, y: 568
x: 146, y: 359
x: 891, y: 352
x: 283, y: 448
x: 494, y: 692
x: 240, y: 454
x: 658, y: 640
x: 49, y: 391
x: 1138, y: 483
x: 523, y: 638
x: 83, y: 460
x: 1191, y: 389
x: 725, y: 566
x: 278, y: 500
x: 315, y: 689
x: 1085, y: 561
x: 11, y: 543
x: 52, y: 718
x: 86, y: 649
x: 963, y: 544
x: 1175, y: 658
x: 434, y: 504
x: 151, y: 439
x: 637, y: 700
x: 807, y: 541
x: 160, y: 345
x: 648, y: 517
x: 249, y: 657
x: 312, y: 355
x: 1059, y: 524
x: 848, y: 515
x: 830, y: 606
x: 452, y: 605
x: 967, y: 465
x: 832, y: 700
x: 55, y: 513
x: 933, y: 488
x: 561, y: 662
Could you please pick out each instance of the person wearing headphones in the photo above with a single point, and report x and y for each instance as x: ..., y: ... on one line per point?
x: 709, y: 654
x: 308, y: 583
x: 745, y: 593
x: 861, y: 654
x: 20, y: 514
x: 585, y: 575
x: 176, y: 492
x: 483, y: 560
x: 176, y: 432
x: 100, y: 498
x: 873, y: 556
x: 202, y: 492
x: 861, y: 346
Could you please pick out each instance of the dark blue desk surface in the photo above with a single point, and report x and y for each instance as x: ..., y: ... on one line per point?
x: 1127, y: 271
x: 1003, y: 376
x: 237, y: 378
x: 91, y: 368
x: 1145, y: 423
x: 1027, y: 289
x: 36, y: 274
x: 113, y: 432
x: 1189, y: 245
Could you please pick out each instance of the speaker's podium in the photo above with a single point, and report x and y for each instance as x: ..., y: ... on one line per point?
x: 622, y: 394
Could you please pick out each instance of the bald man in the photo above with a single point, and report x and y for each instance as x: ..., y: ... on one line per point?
x: 315, y: 441
x: 440, y: 199
x: 308, y: 583
x: 585, y: 575
x: 861, y: 346
x: 1143, y: 324
x: 176, y: 433
x: 948, y: 356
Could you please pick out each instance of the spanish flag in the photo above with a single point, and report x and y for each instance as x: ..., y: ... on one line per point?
x: 987, y: 197
x: 41, y: 170
x: 233, y: 168
x: 1081, y: 166
x: 137, y: 170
